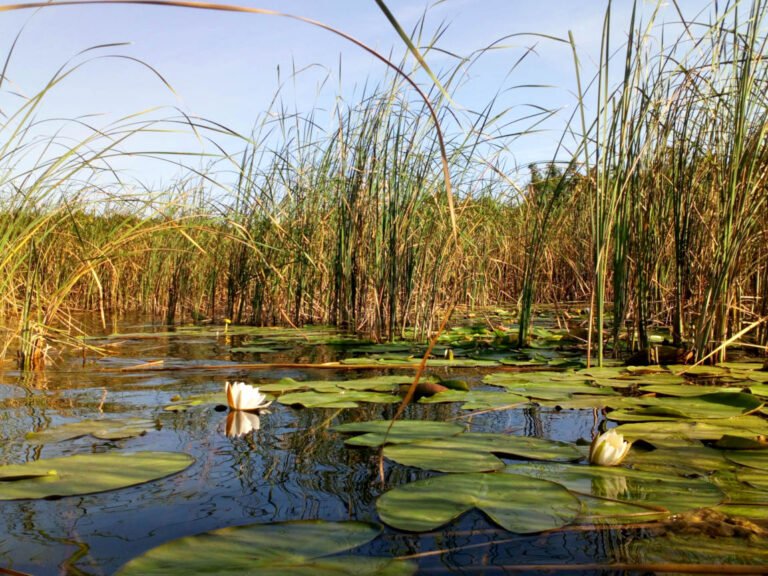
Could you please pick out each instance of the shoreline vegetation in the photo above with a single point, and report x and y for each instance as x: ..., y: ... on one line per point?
x: 654, y: 213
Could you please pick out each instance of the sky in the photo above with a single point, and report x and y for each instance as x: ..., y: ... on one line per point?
x: 224, y: 66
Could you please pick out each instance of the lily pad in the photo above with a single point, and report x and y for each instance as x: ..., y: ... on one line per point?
x: 755, y: 478
x: 293, y: 548
x: 378, y: 432
x: 432, y: 362
x: 658, y: 432
x: 477, y: 399
x: 185, y: 404
x: 545, y: 390
x: 752, y: 511
x: 750, y: 458
x: 87, y: 473
x: 516, y: 503
x: 338, y: 398
x: 375, y: 384
x: 707, y: 406
x: 686, y: 458
x: 702, y: 545
x: 663, y: 492
x: 686, y: 390
x: 583, y: 402
x: 251, y: 350
x: 106, y: 429
x: 474, y: 452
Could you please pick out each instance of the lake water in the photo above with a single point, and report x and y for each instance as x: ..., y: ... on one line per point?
x: 292, y: 467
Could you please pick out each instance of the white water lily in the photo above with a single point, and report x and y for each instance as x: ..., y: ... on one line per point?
x: 242, y: 396
x: 608, y: 449
x: 240, y: 423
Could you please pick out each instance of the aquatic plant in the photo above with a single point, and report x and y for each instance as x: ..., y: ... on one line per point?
x: 608, y: 449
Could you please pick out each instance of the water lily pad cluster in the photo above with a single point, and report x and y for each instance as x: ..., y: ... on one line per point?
x: 87, y: 473
x: 310, y: 547
x: 102, y: 429
x: 494, y: 472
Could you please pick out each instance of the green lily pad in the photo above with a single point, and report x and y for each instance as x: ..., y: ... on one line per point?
x: 251, y: 349
x: 378, y: 432
x: 700, y: 370
x: 338, y: 398
x: 432, y: 362
x: 758, y: 389
x: 728, y: 442
x: 375, y: 384
x: 736, y: 491
x: 659, y: 433
x: 750, y: 458
x: 755, y: 478
x: 185, y: 404
x: 686, y: 458
x: 702, y: 546
x: 106, y: 429
x: 751, y: 511
x: 545, y: 390
x: 660, y: 491
x: 516, y: 503
x: 476, y: 399
x: 291, y: 548
x: 583, y: 402
x: 706, y: 406
x: 474, y: 452
x: 88, y: 473
x: 686, y: 390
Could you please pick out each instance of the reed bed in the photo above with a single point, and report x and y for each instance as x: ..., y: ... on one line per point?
x: 657, y: 214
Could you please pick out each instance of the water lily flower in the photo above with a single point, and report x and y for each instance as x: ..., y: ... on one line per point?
x: 608, y: 449
x: 240, y: 423
x: 242, y: 396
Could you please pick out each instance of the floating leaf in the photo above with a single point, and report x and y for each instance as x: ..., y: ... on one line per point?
x: 378, y: 432
x: 338, y: 398
x: 705, y: 543
x: 251, y: 350
x: 7, y: 476
x: 657, y: 433
x: 298, y: 547
x: 516, y: 503
x: 432, y: 362
x: 454, y: 384
x: 376, y: 384
x: 728, y: 442
x: 752, y: 511
x: 185, y: 404
x: 686, y: 390
x: 751, y: 458
x: 88, y: 473
x: 474, y: 452
x: 668, y: 492
x: 545, y: 390
x: 700, y: 370
x: 758, y: 389
x: 713, y: 406
x: 737, y: 491
x: 477, y: 399
x: 686, y: 458
x: 106, y: 429
x: 582, y: 402
x: 755, y: 478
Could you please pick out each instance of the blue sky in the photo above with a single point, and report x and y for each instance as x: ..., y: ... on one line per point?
x: 223, y: 66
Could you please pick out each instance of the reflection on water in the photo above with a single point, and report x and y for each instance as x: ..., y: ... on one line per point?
x: 282, y: 465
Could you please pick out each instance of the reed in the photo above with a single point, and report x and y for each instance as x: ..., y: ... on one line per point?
x: 399, y: 208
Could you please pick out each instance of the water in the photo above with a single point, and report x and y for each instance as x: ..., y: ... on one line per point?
x: 293, y: 467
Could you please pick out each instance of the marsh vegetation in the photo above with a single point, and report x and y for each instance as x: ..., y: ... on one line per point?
x: 324, y: 261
